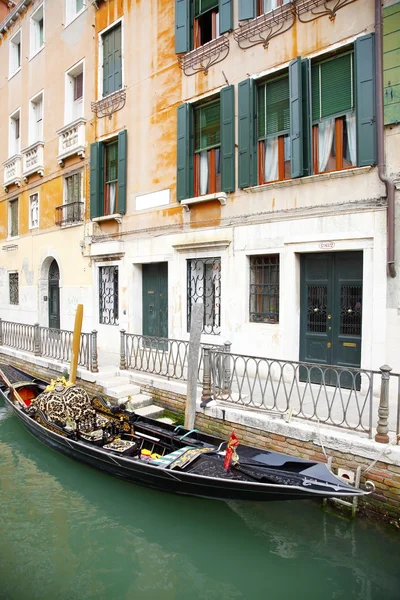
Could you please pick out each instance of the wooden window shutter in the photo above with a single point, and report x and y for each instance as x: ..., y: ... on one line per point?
x: 182, y: 26
x: 365, y: 100
x: 391, y: 64
x: 307, y: 116
x: 246, y: 133
x: 333, y: 87
x: 227, y: 106
x: 247, y: 9
x: 112, y: 61
x: 296, y: 118
x: 96, y: 179
x: 122, y: 170
x: 185, y: 153
x: 225, y: 15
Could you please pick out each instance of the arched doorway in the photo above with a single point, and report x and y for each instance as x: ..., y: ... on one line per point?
x: 54, y: 295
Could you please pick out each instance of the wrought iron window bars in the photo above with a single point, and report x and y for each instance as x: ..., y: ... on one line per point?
x: 201, y: 59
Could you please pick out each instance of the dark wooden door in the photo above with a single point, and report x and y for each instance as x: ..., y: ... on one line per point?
x: 155, y: 299
x: 54, y: 296
x: 331, y: 311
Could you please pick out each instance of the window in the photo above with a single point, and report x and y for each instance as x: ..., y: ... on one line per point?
x: 265, y: 6
x: 13, y: 285
x: 108, y: 177
x: 73, y: 205
x: 206, y: 22
x: 207, y: 164
x: 15, y: 53
x: 112, y: 60
x: 264, y: 289
x: 37, y: 30
x: 204, y: 285
x: 73, y: 8
x: 108, y: 295
x: 200, y: 21
x: 33, y: 211
x: 273, y: 130
x: 15, y: 134
x: 74, y: 94
x: 333, y: 116
x: 36, y: 119
x: 13, y: 218
x: 320, y: 118
x: 207, y: 141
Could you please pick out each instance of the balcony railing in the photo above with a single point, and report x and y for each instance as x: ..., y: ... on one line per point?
x: 71, y: 140
x: 70, y: 213
x: 12, y: 171
x: 33, y: 160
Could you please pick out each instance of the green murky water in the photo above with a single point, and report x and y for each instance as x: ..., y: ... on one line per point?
x: 70, y: 532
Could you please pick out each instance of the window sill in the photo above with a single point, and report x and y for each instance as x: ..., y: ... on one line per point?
x: 309, y: 179
x: 221, y: 196
x: 115, y: 217
x: 78, y: 14
x: 36, y: 52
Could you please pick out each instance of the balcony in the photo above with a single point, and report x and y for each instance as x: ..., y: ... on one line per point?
x: 71, y: 140
x: 69, y: 214
x: 12, y: 171
x: 33, y: 160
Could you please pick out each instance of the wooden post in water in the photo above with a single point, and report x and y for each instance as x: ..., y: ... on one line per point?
x: 76, y: 343
x: 196, y: 327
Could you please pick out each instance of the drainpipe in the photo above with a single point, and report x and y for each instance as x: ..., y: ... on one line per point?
x: 390, y: 187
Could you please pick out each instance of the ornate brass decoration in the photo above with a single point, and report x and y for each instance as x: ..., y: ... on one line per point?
x: 265, y: 27
x: 41, y: 420
x: 327, y: 7
x: 107, y: 106
x: 201, y: 59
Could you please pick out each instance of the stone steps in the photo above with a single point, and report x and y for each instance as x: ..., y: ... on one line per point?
x: 124, y: 392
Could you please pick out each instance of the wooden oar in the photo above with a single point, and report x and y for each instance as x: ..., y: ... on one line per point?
x: 12, y: 388
x: 76, y: 343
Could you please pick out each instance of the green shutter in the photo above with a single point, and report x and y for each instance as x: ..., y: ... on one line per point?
x: 203, y: 6
x: 391, y: 64
x: 185, y: 154
x: 307, y: 118
x: 225, y: 15
x: 207, y: 129
x: 96, y: 180
x: 182, y: 26
x: 112, y: 61
x: 273, y: 108
x: 228, y: 138
x: 247, y: 9
x: 296, y: 118
x: 246, y: 137
x: 333, y: 87
x: 122, y: 171
x: 365, y: 100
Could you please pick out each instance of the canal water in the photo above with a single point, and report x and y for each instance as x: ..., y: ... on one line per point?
x: 70, y: 532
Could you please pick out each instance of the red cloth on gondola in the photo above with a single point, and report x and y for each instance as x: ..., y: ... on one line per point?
x: 232, y: 444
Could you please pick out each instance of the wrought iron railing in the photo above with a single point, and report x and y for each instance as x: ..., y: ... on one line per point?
x: 69, y: 213
x: 53, y: 343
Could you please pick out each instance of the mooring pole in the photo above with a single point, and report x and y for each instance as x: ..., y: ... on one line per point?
x: 196, y: 326
x: 76, y: 343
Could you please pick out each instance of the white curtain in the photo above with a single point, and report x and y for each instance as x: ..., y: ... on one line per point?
x: 203, y: 173
x: 325, y: 137
x: 269, y: 5
x: 351, y: 136
x: 113, y: 196
x: 271, y: 159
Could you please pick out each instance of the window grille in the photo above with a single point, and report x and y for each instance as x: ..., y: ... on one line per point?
x: 204, y: 285
x: 108, y: 295
x: 14, y: 288
x: 264, y: 289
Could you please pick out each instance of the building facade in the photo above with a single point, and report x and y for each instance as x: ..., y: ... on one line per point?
x: 232, y: 147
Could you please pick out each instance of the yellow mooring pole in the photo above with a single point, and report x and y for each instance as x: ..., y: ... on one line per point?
x: 76, y: 342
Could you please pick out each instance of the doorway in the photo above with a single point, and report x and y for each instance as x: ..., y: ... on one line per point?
x: 54, y: 295
x: 331, y: 309
x: 155, y: 299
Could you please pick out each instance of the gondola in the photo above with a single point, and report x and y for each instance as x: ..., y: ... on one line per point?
x: 158, y: 455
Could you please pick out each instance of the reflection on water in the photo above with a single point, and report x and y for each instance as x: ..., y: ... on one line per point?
x: 70, y: 532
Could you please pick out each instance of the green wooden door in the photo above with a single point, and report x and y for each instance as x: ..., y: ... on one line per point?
x: 155, y: 300
x: 54, y: 296
x: 331, y: 312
